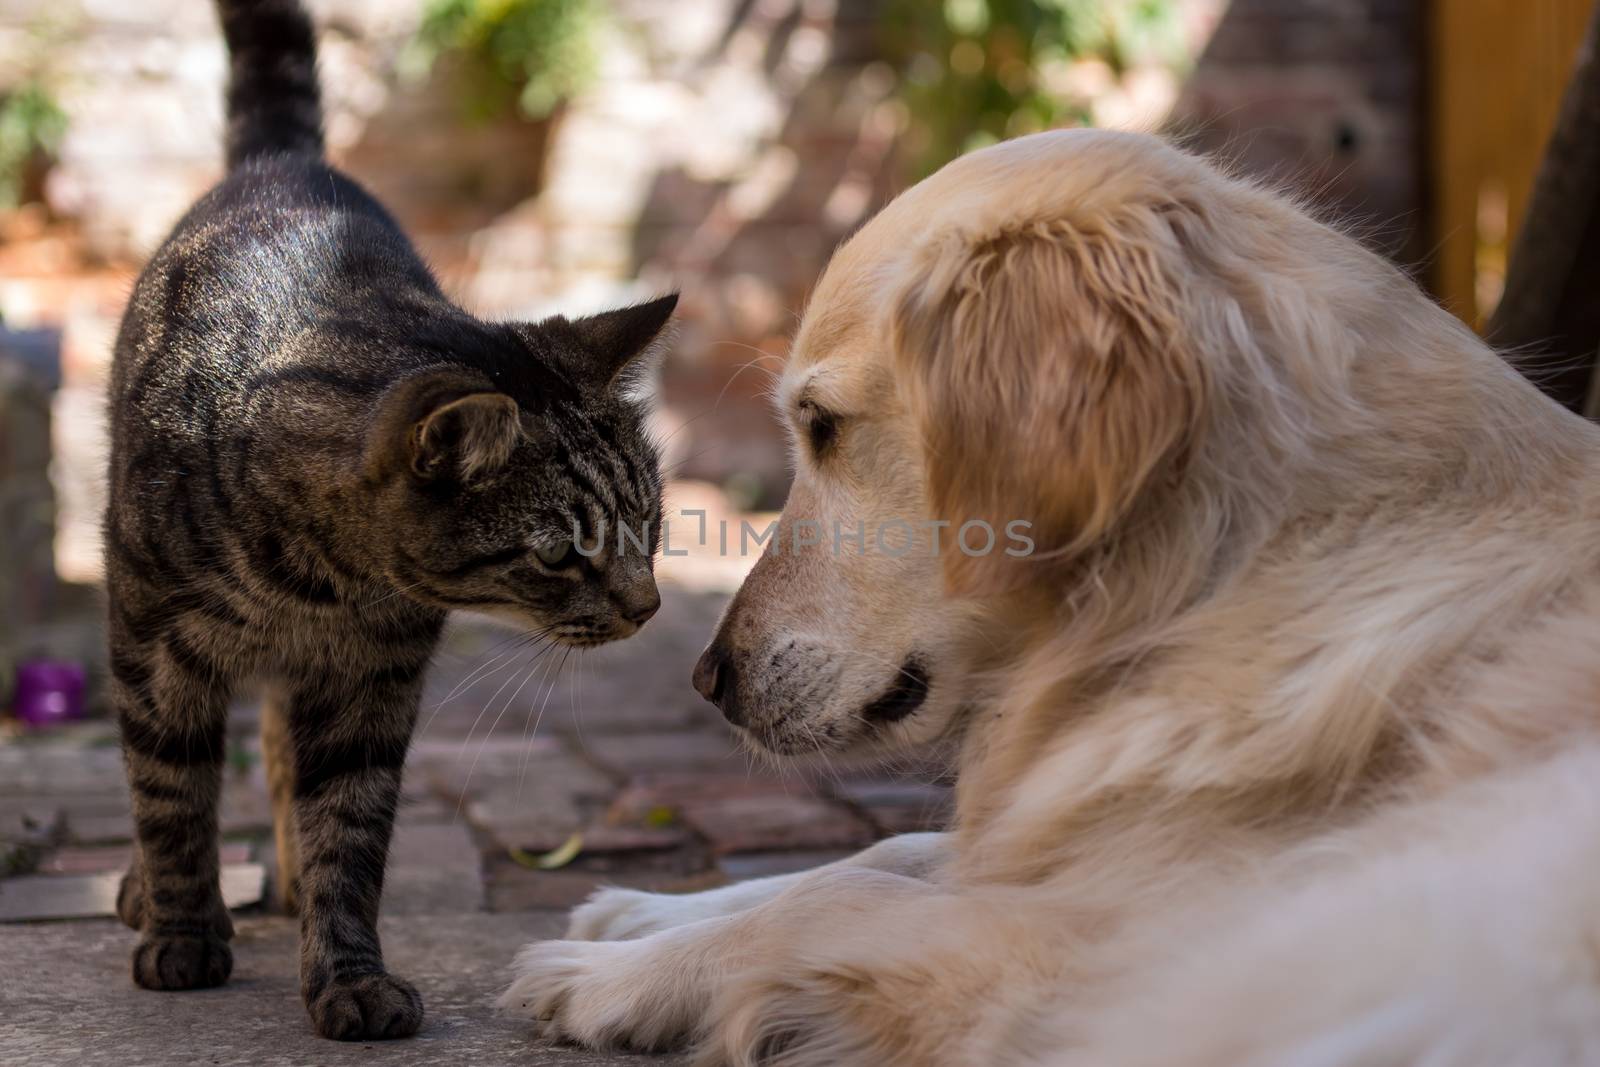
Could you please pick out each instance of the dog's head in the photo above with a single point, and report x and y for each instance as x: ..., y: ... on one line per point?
x: 1008, y: 367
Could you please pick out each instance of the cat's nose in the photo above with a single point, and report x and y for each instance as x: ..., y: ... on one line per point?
x: 640, y: 605
x: 642, y: 613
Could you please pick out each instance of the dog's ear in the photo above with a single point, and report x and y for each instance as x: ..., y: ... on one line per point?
x: 1053, y: 379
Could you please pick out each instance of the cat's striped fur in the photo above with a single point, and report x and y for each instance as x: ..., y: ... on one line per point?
x: 315, y: 456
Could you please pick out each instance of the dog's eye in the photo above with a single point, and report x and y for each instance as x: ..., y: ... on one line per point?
x: 822, y: 429
x: 558, y: 556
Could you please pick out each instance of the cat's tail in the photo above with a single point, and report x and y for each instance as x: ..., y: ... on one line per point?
x: 274, y: 106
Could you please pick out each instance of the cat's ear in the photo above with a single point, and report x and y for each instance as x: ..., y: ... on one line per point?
x: 469, y: 437
x: 620, y: 345
x: 445, y: 424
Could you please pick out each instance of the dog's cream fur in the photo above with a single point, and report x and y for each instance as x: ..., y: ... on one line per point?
x: 1281, y: 749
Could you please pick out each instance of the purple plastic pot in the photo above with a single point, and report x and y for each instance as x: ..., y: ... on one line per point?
x: 48, y: 692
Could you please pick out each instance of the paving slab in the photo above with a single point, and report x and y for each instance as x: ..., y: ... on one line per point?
x: 74, y: 761
x: 77, y: 896
x: 600, y: 836
x: 899, y: 807
x: 68, y: 1000
x: 746, y: 865
x: 106, y: 828
x: 511, y: 886
x: 526, y: 771
x: 29, y: 819
x: 101, y: 859
x: 432, y: 868
x: 670, y: 752
x: 772, y: 823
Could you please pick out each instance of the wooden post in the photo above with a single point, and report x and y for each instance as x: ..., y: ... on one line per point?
x: 1550, y: 308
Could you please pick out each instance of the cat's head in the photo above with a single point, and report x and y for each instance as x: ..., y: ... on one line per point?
x: 521, y: 482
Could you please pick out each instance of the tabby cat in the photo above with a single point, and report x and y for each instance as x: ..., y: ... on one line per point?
x: 315, y: 456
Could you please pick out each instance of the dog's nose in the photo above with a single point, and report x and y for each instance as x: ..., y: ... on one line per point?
x: 714, y: 680
x: 711, y: 673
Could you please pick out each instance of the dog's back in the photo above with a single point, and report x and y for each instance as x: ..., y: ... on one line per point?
x: 1457, y: 927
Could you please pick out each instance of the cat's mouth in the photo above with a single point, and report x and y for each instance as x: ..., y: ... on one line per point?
x: 591, y: 637
x: 573, y: 633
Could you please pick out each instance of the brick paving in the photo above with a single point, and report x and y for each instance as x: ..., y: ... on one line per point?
x: 517, y: 753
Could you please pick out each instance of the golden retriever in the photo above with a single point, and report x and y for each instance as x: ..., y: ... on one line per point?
x: 1279, y: 747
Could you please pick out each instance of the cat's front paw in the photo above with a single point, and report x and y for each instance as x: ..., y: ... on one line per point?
x: 367, y: 1007
x: 182, y: 961
x: 601, y: 994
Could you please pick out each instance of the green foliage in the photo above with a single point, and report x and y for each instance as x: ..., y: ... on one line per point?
x: 527, y: 54
x: 979, y: 71
x: 31, y: 125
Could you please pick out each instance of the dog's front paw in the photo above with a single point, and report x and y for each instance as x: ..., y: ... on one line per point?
x: 602, y: 994
x: 365, y: 1008
x: 620, y: 914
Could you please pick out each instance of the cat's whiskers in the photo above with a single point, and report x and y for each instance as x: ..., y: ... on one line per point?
x: 573, y: 702
x: 529, y: 726
x: 715, y: 404
x: 744, y: 367
x: 391, y: 595
x: 466, y: 786
x: 675, y: 467
x: 517, y: 643
x: 660, y: 444
x: 529, y: 739
x: 520, y: 642
x: 538, y: 655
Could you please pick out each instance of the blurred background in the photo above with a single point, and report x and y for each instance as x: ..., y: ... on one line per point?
x: 571, y: 154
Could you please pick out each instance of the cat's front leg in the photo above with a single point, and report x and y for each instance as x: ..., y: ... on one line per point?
x: 349, y: 738
x: 170, y: 698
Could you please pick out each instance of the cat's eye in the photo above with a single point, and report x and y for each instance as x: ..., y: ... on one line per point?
x: 557, y: 556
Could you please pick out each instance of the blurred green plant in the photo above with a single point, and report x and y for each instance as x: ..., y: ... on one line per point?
x: 31, y: 127
x: 978, y: 71
x: 529, y: 55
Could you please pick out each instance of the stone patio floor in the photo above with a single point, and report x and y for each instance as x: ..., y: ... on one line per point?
x: 520, y: 762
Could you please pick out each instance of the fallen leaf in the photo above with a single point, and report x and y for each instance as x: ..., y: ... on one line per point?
x: 554, y: 859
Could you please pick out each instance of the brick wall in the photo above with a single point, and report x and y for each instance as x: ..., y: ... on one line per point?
x: 27, y: 502
x: 725, y: 149
x: 1326, y: 97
